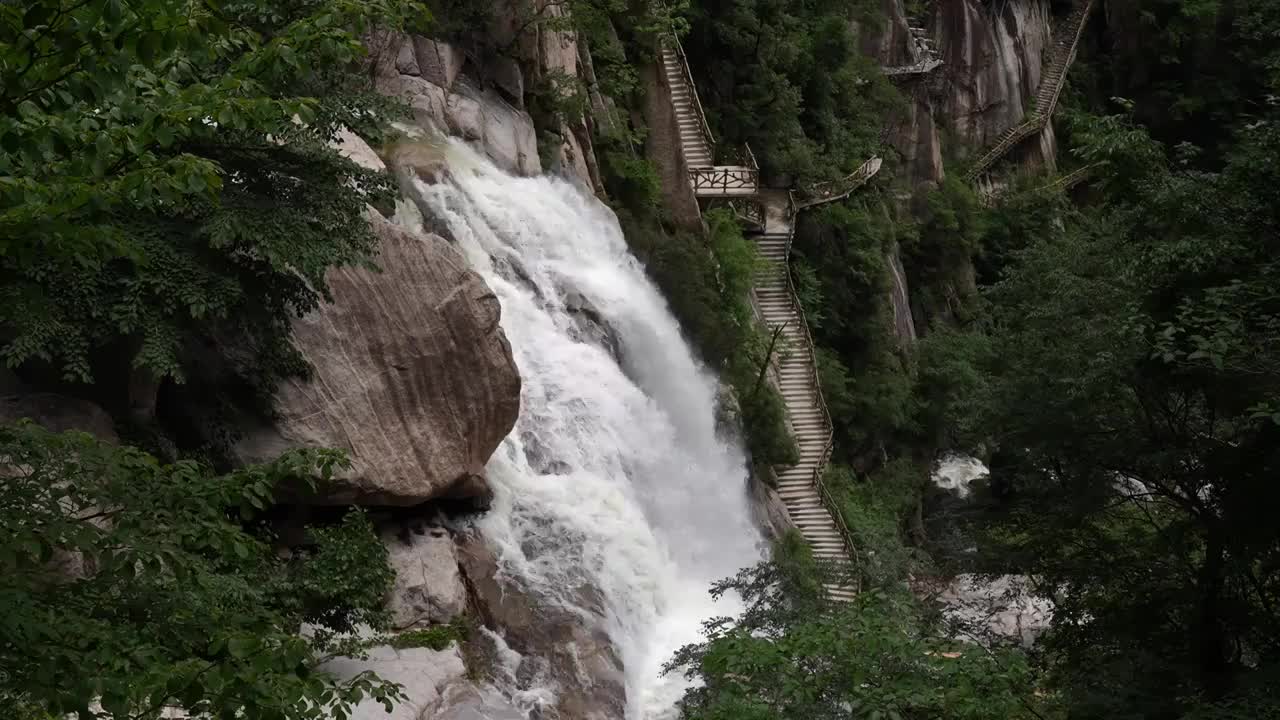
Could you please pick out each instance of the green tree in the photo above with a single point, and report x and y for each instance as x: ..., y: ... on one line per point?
x: 788, y: 79
x: 166, y: 173
x: 1134, y: 396
x: 145, y: 586
x: 792, y: 655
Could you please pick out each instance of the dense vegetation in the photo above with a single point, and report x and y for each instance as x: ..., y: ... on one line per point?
x: 1115, y: 363
x: 169, y: 202
x: 143, y: 586
x: 168, y: 179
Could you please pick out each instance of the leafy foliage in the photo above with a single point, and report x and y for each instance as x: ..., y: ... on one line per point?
x: 148, y: 586
x: 1133, y: 376
x: 436, y: 637
x: 788, y: 79
x: 165, y: 172
x: 792, y: 655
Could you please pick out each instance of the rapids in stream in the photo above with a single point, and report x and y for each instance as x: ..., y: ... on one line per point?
x: 615, y: 477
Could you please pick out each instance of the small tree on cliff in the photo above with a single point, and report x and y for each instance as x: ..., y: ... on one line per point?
x: 135, y: 585
x: 165, y: 171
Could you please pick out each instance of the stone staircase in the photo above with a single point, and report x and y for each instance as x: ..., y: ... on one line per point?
x: 1067, y: 39
x: 800, y: 485
x: 696, y: 141
x: 810, y: 506
x: 697, y: 144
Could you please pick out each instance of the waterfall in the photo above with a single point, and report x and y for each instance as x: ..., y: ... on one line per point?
x: 615, y: 478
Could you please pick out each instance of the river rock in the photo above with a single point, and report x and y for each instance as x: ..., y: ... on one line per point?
x: 425, y: 676
x: 428, y: 587
x: 555, y: 645
x: 412, y: 377
x: 999, y: 608
x: 59, y: 413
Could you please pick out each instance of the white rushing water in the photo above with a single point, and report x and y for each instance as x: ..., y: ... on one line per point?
x: 614, y: 477
x: 957, y: 472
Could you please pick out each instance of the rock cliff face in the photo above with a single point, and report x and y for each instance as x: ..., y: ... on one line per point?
x: 993, y: 59
x: 412, y: 377
x: 994, y: 64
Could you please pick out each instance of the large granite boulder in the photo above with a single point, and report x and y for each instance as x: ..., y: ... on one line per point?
x: 425, y: 676
x: 412, y: 377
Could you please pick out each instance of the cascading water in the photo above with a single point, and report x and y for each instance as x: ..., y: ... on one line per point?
x: 615, y: 477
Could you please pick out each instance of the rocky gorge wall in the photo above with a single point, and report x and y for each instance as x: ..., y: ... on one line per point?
x: 993, y: 58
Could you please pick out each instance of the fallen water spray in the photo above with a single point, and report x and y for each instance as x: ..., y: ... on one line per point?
x: 615, y: 477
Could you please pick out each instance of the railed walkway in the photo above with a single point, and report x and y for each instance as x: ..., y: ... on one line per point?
x: 773, y: 212
x: 800, y: 485
x: 1067, y: 39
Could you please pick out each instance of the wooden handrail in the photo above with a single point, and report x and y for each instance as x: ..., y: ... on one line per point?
x: 827, y: 192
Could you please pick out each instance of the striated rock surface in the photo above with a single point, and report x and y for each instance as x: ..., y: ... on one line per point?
x: 412, y: 377
x: 428, y: 586
x: 994, y: 65
x: 444, y: 100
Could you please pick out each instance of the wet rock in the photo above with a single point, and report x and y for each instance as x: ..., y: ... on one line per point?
x: 427, y: 100
x: 412, y: 377
x: 567, y: 649
x: 591, y: 326
x: 423, y: 159
x: 464, y: 117
x: 505, y: 74
x: 767, y: 508
x: 428, y: 585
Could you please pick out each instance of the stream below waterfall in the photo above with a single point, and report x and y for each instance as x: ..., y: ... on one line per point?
x: 616, y: 497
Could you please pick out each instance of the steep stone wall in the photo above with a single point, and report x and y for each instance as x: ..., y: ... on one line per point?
x: 994, y: 55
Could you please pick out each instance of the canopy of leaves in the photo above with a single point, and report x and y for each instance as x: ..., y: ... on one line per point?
x: 145, y: 586
x: 788, y: 78
x: 165, y: 171
x: 1134, y: 388
x: 791, y: 655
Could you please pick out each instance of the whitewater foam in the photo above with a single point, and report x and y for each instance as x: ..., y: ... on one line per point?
x: 615, y: 477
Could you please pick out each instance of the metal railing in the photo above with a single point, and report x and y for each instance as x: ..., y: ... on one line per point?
x: 1046, y: 97
x: 1063, y: 182
x: 748, y: 210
